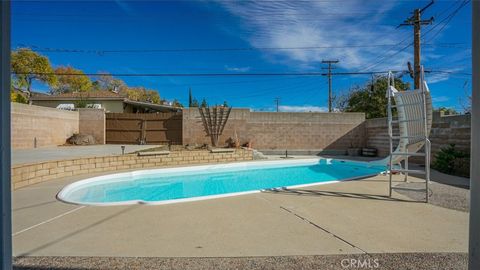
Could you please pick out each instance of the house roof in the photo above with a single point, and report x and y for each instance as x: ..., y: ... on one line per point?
x: 98, y: 95
x: 153, y: 106
x: 101, y: 95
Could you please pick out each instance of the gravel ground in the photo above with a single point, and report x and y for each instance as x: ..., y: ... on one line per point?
x: 393, y: 261
x: 439, y: 194
x: 445, y: 191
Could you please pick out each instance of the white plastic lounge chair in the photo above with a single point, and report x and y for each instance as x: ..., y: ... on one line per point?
x: 414, y: 119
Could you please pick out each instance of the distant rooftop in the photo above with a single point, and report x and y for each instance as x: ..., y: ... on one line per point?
x: 149, y: 105
x: 93, y: 96
x: 79, y: 95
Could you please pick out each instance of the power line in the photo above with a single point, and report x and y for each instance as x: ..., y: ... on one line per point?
x: 380, y: 59
x: 417, y: 22
x: 449, y: 18
x: 454, y: 11
x: 187, y: 84
x: 60, y: 50
x: 200, y: 74
x: 230, y: 74
x: 305, y: 87
x: 160, y: 12
x: 452, y: 72
x: 168, y: 50
x: 170, y: 1
x: 388, y: 56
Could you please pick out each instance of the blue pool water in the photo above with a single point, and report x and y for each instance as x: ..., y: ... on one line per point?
x: 162, y: 185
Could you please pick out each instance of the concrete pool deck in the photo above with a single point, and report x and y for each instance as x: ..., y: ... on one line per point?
x: 352, y: 217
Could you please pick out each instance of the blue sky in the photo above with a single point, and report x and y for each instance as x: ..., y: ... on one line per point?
x: 361, y: 34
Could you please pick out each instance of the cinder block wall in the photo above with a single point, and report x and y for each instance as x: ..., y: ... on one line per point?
x: 283, y: 130
x: 446, y: 129
x: 29, y: 174
x: 92, y: 121
x: 48, y: 126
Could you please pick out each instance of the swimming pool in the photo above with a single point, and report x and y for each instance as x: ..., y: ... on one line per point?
x: 160, y: 186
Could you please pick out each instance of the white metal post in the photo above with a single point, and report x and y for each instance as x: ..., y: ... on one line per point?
x: 474, y: 234
x: 5, y: 192
x: 427, y: 140
x: 390, y: 133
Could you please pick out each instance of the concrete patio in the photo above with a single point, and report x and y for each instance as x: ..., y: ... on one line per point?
x: 353, y: 217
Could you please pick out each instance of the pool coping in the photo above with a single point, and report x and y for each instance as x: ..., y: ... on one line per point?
x: 64, y: 191
x: 30, y: 174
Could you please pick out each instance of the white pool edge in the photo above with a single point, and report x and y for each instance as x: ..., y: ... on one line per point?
x: 64, y: 191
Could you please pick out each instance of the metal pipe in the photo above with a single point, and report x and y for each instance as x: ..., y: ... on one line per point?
x: 406, y: 167
x: 427, y: 140
x: 390, y: 134
x: 428, y: 149
x: 6, y: 188
x: 474, y: 234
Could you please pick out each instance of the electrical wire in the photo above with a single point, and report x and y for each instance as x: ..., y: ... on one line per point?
x: 176, y: 50
x: 448, y: 19
x: 225, y: 74
x: 388, y: 56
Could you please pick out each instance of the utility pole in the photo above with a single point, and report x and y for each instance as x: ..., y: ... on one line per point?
x: 277, y: 102
x: 5, y: 151
x: 329, y: 74
x: 417, y: 22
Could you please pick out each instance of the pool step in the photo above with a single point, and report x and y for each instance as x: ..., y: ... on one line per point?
x: 153, y: 153
x: 407, y: 120
x: 408, y: 171
x: 406, y: 104
x: 413, y: 154
x: 408, y: 137
x: 410, y: 189
x: 222, y: 150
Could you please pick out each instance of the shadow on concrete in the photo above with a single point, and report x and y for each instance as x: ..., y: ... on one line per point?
x: 33, y: 205
x: 58, y: 240
x: 320, y: 193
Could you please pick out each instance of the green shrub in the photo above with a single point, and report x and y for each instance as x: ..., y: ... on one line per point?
x: 82, y: 103
x: 16, y: 97
x: 447, y: 158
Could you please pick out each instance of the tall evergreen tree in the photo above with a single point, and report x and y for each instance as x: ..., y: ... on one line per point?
x: 194, y: 103
x: 190, y: 98
x: 204, y: 103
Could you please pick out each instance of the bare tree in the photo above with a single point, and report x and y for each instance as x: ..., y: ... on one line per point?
x: 466, y: 102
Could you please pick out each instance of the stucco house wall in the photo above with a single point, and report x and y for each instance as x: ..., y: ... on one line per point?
x: 114, y: 106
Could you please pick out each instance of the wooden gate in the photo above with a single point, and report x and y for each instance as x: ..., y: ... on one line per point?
x: 144, y: 128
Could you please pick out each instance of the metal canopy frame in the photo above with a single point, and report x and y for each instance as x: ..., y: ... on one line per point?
x: 5, y: 167
x: 474, y: 234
